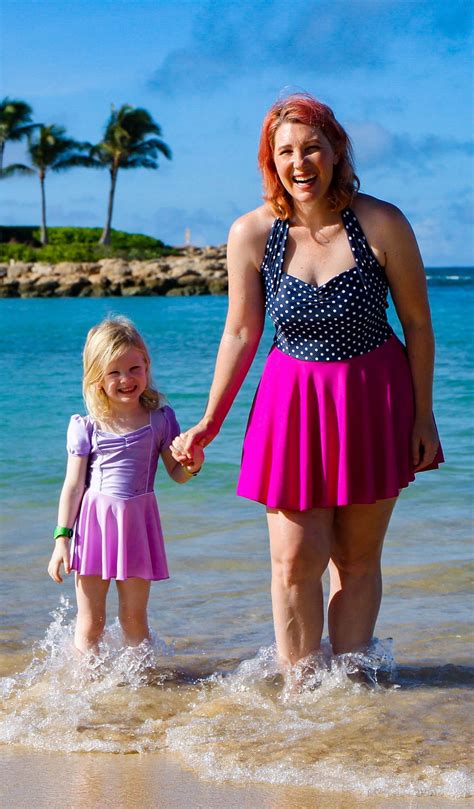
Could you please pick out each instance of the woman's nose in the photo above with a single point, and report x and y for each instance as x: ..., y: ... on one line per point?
x: 298, y: 159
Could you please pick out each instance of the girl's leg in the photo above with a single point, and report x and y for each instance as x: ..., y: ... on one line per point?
x: 300, y: 544
x: 356, y: 579
x: 133, y: 600
x: 91, y: 592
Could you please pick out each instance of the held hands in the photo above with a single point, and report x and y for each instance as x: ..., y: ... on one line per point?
x: 200, y: 435
x: 60, y: 556
x: 191, y: 458
x: 424, y: 443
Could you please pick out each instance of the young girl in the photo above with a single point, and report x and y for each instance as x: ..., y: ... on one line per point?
x: 108, y: 490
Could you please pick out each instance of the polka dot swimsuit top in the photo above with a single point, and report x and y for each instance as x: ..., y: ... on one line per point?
x: 342, y: 318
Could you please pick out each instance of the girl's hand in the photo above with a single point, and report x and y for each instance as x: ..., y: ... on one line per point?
x: 60, y: 556
x: 424, y: 442
x: 178, y: 451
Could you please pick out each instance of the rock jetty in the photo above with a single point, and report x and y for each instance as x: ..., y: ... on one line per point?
x: 195, y: 271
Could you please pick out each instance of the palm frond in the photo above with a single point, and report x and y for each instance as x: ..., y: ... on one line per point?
x: 139, y: 163
x: 15, y: 168
x: 23, y: 131
x: 74, y: 161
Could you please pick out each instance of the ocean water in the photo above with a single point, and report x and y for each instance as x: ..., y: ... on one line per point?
x: 207, y: 688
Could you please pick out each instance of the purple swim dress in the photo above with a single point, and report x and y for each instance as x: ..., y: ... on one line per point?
x: 332, y: 417
x: 118, y: 533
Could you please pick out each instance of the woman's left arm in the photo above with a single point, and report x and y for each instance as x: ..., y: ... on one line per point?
x: 407, y: 281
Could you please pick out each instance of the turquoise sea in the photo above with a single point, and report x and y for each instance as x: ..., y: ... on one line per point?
x: 208, y: 690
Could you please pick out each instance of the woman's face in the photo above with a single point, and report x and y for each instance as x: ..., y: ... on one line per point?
x: 304, y: 160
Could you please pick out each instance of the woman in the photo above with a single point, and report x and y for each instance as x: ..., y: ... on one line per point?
x: 342, y: 418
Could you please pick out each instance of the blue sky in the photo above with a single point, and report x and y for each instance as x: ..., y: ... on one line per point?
x: 396, y: 72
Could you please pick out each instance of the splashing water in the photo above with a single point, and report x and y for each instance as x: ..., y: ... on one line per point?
x: 328, y: 724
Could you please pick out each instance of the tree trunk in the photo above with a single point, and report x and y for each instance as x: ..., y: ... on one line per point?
x: 2, y: 149
x: 44, y: 229
x: 105, y: 237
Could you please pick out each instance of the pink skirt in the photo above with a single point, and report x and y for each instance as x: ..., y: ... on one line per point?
x: 119, y: 538
x: 324, y: 434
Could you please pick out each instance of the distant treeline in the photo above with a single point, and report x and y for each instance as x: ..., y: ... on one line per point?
x: 132, y: 139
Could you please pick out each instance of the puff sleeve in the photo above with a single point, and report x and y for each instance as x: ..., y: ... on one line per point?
x: 170, y: 427
x: 78, y: 440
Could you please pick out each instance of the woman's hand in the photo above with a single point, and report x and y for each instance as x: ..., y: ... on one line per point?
x: 60, y: 556
x: 424, y: 443
x: 185, y: 443
x: 192, y: 459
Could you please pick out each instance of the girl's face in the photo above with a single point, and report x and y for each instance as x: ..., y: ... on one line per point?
x: 304, y: 160
x: 125, y: 378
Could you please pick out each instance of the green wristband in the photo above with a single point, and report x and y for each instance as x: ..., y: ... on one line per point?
x: 59, y: 531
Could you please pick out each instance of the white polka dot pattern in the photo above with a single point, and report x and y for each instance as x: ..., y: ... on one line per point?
x: 343, y: 318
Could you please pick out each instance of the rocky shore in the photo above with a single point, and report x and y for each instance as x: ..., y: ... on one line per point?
x: 195, y: 271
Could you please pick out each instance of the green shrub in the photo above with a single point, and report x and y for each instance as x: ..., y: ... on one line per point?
x: 53, y: 254
x: 17, y: 233
x: 77, y: 244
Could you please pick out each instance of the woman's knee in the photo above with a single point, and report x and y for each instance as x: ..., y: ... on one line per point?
x: 297, y: 567
x: 356, y: 564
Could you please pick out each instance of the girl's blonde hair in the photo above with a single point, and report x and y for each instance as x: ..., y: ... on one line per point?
x: 104, y: 343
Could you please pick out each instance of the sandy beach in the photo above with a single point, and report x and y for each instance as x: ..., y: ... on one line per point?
x: 160, y: 782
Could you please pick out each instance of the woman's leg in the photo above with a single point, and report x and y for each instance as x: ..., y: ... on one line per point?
x: 91, y: 593
x: 356, y: 579
x: 133, y: 600
x: 300, y: 543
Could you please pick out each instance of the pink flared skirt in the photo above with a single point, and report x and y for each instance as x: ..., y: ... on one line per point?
x: 324, y: 434
x: 117, y: 538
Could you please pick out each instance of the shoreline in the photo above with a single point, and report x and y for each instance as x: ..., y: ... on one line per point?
x: 195, y: 271
x: 191, y: 271
x: 162, y: 781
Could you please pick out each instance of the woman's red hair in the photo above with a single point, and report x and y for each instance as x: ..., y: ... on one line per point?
x: 302, y: 108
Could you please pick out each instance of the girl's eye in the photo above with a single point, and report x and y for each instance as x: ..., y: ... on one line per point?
x: 112, y: 373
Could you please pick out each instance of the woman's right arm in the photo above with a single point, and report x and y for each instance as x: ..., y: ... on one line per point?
x: 70, y: 499
x: 243, y: 327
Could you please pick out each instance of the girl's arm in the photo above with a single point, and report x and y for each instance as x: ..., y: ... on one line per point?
x: 176, y: 470
x: 407, y: 280
x: 69, y: 502
x: 243, y: 327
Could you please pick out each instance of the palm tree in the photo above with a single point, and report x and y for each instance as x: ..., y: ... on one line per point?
x: 51, y: 150
x: 15, y: 124
x: 127, y: 145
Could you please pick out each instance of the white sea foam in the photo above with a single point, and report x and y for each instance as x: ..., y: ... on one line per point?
x: 330, y: 725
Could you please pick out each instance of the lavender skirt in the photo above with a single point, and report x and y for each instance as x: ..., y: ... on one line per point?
x: 117, y: 538
x: 324, y: 434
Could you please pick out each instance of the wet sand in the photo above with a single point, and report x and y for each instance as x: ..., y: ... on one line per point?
x: 100, y: 781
